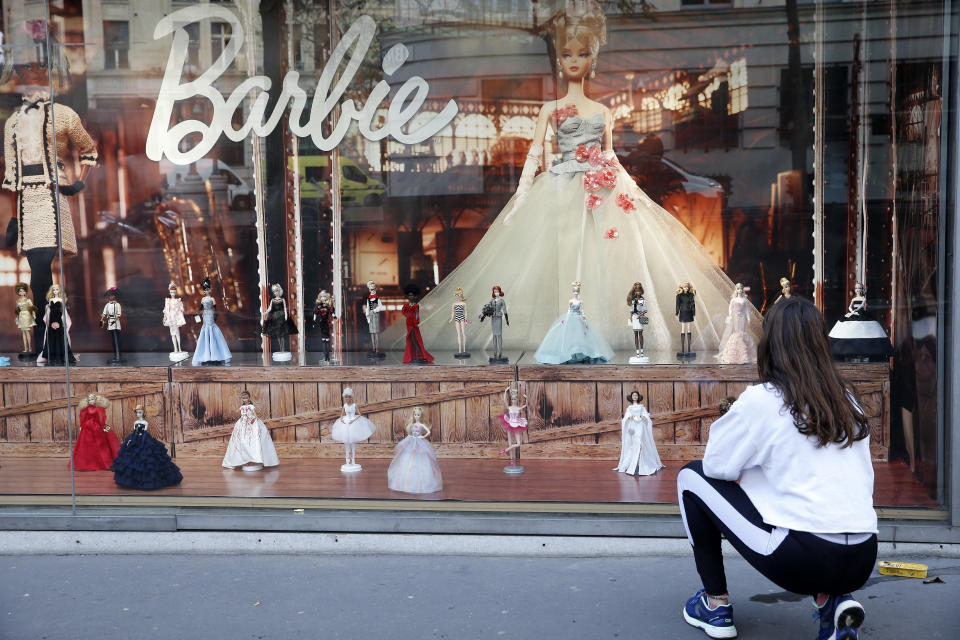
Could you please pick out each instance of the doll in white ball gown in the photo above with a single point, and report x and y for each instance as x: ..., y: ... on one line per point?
x: 250, y: 447
x: 351, y: 428
x: 638, y: 451
x: 414, y: 468
x: 583, y: 219
x: 737, y: 345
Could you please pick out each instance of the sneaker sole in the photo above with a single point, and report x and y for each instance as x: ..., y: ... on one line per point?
x: 848, y: 619
x: 709, y: 629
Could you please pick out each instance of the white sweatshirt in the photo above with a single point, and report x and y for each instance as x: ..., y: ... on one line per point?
x: 793, y: 483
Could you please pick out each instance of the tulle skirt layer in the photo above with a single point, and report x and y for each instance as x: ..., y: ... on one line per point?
x: 414, y: 468
x: 143, y: 463
x: 571, y: 341
x: 211, y: 345
x: 551, y: 240
x: 95, y: 448
x: 351, y: 432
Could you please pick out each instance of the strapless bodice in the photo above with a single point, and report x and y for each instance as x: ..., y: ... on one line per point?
x: 573, y: 132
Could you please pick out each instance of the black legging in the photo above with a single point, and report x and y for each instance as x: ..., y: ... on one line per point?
x: 796, y: 561
x: 41, y: 278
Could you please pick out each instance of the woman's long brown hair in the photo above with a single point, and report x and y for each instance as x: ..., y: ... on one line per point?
x: 794, y: 356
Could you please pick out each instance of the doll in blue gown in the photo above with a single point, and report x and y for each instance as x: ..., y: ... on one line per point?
x: 211, y: 345
x: 570, y: 340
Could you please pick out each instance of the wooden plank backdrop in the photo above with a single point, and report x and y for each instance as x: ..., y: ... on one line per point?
x: 574, y: 411
x: 34, y: 414
x: 582, y: 405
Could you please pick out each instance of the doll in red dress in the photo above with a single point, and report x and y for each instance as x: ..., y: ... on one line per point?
x: 415, y: 351
x: 96, y: 445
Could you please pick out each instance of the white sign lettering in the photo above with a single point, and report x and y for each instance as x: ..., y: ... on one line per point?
x: 164, y: 140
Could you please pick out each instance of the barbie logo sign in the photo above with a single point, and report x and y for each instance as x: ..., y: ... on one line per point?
x: 164, y: 140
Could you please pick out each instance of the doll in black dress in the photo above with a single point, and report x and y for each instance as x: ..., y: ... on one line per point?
x: 686, y: 311
x: 323, y: 318
x: 56, y: 336
x: 142, y: 462
x: 278, y: 324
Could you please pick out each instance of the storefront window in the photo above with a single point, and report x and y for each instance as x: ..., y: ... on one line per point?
x: 335, y: 190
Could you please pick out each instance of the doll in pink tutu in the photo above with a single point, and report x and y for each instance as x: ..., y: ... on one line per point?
x: 514, y: 424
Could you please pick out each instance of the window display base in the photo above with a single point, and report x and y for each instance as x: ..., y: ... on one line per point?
x: 473, y: 480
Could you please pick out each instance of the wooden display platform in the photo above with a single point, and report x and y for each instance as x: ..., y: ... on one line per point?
x: 574, y: 411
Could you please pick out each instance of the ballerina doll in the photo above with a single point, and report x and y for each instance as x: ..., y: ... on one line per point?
x: 458, y: 315
x: 26, y: 318
x: 414, y: 468
x: 857, y: 336
x: 143, y: 462
x: 583, y: 219
x: 638, y: 319
x: 686, y: 312
x: 97, y: 444
x: 250, y: 447
x: 56, y: 330
x: 514, y: 424
x: 211, y: 345
x: 638, y: 451
x: 737, y: 346
x: 278, y: 325
x: 351, y: 428
x: 571, y: 340
x: 414, y: 352
x: 496, y: 310
x: 323, y: 318
x: 173, y: 320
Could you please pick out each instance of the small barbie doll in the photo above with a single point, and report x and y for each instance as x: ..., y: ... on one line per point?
x: 173, y: 319
x: 414, y: 468
x: 638, y: 451
x: 351, y: 428
x: 786, y: 290
x: 458, y: 315
x: 415, y: 352
x: 143, y: 462
x: 56, y: 323
x: 686, y: 312
x: 110, y: 320
x: 570, y: 339
x: 323, y: 318
x: 737, y: 346
x: 26, y: 313
x: 278, y: 325
x: 496, y: 310
x: 211, y: 345
x: 857, y: 336
x: 250, y: 446
x: 638, y: 318
x: 96, y: 445
x: 372, y: 308
x: 514, y: 424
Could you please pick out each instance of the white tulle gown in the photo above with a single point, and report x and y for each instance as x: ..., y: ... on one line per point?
x: 250, y: 442
x: 553, y: 239
x: 638, y: 450
x: 737, y: 345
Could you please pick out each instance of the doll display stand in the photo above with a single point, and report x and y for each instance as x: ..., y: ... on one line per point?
x: 281, y: 356
x: 639, y: 359
x: 350, y: 467
x: 499, y: 360
x: 513, y: 469
x: 253, y: 466
x: 179, y: 356
x: 462, y: 355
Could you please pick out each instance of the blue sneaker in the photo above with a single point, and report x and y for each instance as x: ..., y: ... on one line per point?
x: 716, y: 623
x: 840, y: 617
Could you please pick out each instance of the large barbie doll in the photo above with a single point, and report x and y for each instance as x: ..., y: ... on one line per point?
x: 582, y: 219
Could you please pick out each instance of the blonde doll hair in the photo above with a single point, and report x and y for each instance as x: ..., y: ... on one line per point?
x: 413, y: 413
x: 139, y: 407
x: 320, y: 296
x: 276, y: 289
x: 63, y: 296
x: 784, y: 282
x: 244, y: 394
x: 686, y: 283
x: 459, y: 292
x: 98, y: 401
x: 581, y: 19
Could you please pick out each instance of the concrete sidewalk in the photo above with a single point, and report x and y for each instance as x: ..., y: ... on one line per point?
x: 386, y: 597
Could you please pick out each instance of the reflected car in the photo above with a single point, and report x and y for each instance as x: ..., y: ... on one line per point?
x: 357, y: 188
x: 239, y: 192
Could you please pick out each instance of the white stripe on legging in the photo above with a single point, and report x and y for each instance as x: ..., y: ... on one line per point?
x: 758, y: 539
